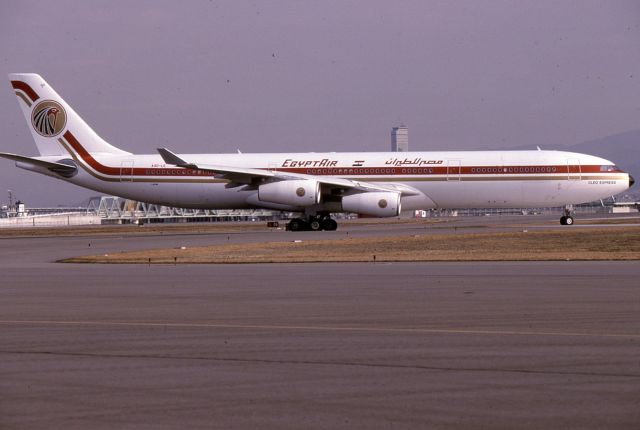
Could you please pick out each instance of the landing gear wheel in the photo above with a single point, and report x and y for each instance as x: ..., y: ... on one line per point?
x: 297, y: 224
x: 329, y: 224
x: 566, y: 218
x: 315, y: 225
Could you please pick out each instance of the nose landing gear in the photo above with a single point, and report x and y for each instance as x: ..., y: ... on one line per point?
x: 567, y: 218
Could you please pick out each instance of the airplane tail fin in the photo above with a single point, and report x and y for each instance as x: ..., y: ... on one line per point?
x: 51, y: 119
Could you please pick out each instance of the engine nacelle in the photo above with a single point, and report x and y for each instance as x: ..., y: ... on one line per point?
x: 299, y: 193
x: 381, y: 204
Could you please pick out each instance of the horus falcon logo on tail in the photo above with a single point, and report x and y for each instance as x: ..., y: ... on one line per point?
x: 48, y: 118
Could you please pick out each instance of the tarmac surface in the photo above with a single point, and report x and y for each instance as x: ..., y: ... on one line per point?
x: 403, y: 345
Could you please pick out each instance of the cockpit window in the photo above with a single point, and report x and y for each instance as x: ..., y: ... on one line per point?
x: 608, y: 168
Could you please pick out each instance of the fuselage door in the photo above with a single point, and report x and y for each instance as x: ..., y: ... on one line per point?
x: 453, y: 170
x: 126, y: 171
x: 574, y: 170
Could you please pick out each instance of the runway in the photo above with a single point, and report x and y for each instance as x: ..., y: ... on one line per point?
x: 429, y: 345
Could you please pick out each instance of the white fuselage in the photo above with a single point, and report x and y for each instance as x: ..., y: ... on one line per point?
x: 461, y: 179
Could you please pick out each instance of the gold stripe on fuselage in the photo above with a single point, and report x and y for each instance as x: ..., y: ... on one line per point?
x: 425, y: 178
x: 121, y: 178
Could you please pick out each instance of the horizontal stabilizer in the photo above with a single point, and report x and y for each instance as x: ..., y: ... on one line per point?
x: 63, y: 169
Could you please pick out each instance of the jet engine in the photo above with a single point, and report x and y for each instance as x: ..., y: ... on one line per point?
x: 299, y: 193
x: 381, y: 204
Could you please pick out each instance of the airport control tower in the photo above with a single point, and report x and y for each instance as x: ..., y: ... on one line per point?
x: 400, y: 139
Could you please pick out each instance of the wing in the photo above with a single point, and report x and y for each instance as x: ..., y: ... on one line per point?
x: 226, y: 172
x: 247, y: 176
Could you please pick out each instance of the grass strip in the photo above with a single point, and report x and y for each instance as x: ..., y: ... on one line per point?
x: 571, y: 243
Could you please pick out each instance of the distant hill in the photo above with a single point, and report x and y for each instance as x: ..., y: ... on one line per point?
x: 623, y: 149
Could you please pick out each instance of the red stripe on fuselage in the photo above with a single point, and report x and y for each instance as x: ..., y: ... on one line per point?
x: 343, y: 171
x: 136, y: 171
x: 465, y: 170
x: 88, y: 158
x: 19, y: 85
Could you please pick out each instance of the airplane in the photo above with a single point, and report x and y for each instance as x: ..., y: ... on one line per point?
x: 378, y: 184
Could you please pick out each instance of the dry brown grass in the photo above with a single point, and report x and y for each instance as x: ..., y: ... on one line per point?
x: 561, y: 244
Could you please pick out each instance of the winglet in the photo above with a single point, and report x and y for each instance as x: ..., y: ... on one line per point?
x: 171, y: 158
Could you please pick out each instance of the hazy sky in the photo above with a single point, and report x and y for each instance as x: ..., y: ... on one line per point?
x: 281, y: 76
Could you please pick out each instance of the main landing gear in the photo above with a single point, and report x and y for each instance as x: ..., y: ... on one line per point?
x: 313, y: 223
x: 566, y: 218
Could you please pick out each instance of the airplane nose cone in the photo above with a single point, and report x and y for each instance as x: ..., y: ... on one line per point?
x: 631, y: 181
